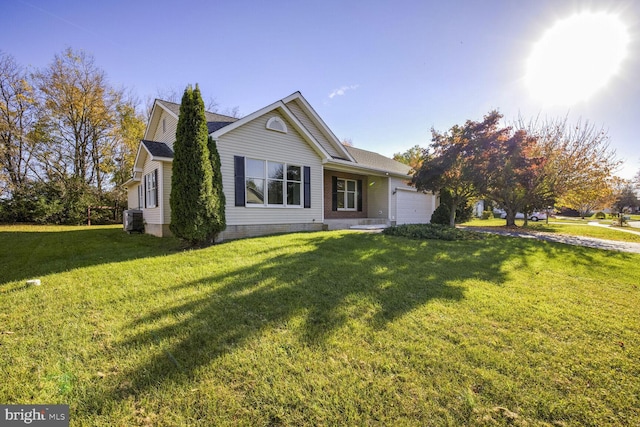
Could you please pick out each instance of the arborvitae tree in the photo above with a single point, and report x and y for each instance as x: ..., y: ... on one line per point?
x: 193, y: 201
x: 218, y: 220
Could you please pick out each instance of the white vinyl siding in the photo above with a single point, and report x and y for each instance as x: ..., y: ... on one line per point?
x: 165, y: 186
x: 132, y: 196
x: 170, y: 126
x: 254, y: 141
x: 313, y: 129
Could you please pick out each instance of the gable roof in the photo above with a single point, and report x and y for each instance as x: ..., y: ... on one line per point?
x: 373, y: 160
x: 305, y: 120
x: 324, y: 148
x: 215, y: 121
x: 299, y: 107
x: 211, y: 117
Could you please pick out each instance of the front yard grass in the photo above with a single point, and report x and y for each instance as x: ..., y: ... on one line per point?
x: 329, y: 328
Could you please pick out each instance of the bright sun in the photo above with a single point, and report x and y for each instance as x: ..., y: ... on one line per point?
x: 576, y: 58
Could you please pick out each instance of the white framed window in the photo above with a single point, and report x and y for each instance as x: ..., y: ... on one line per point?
x: 293, y: 185
x: 277, y: 124
x: 140, y: 196
x: 273, y: 184
x: 347, y: 195
x: 151, y: 189
x: 164, y: 125
x: 254, y: 183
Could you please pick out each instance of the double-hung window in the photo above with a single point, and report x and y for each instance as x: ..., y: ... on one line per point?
x: 272, y: 183
x: 255, y: 182
x: 140, y: 196
x: 347, y: 194
x: 151, y: 189
x: 294, y: 185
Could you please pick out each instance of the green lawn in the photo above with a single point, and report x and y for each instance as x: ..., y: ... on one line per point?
x: 328, y: 328
x: 576, y: 227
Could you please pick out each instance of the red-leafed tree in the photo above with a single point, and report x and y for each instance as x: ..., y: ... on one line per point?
x: 455, y: 161
x: 516, y: 174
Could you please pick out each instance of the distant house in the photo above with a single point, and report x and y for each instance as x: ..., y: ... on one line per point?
x: 283, y: 170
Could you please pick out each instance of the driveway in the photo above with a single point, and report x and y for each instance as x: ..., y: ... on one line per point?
x: 590, y: 242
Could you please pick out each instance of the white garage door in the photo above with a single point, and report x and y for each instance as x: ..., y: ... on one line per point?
x: 414, y: 207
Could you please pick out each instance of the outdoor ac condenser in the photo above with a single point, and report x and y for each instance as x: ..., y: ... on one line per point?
x: 133, y: 221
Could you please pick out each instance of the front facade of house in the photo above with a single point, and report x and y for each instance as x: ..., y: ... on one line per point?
x: 283, y: 170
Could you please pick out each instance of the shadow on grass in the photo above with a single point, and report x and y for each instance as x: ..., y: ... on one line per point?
x: 372, y: 279
x: 32, y: 254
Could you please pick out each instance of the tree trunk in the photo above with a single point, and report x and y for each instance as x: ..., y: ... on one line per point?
x: 511, y: 219
x: 452, y: 214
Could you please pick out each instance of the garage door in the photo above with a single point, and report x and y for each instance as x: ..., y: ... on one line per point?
x: 414, y: 207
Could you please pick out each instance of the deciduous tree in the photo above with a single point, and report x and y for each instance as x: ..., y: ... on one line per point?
x: 578, y: 161
x: 514, y: 175
x: 624, y: 198
x: 455, y: 161
x: 413, y: 157
x: 66, y: 139
x: 79, y: 112
x: 17, y: 119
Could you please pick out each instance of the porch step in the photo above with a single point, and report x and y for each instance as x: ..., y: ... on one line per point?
x: 356, y: 223
x: 369, y: 227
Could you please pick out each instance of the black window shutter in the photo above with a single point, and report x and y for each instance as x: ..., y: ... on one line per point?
x: 155, y: 178
x: 307, y: 186
x: 334, y: 193
x: 238, y: 174
x: 359, y: 195
x: 145, y: 191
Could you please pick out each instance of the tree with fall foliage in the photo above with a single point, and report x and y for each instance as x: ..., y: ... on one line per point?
x: 413, y: 157
x: 67, y: 139
x: 514, y: 174
x: 78, y: 114
x: 18, y: 111
x: 455, y: 161
x: 578, y: 161
x: 624, y: 198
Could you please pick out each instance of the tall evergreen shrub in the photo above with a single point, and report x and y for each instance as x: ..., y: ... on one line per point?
x: 218, y: 220
x: 195, y: 204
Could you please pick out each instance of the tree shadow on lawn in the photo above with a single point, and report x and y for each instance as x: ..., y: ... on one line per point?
x: 324, y: 285
x: 34, y: 254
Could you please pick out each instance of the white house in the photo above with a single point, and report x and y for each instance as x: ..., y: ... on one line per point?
x: 326, y: 184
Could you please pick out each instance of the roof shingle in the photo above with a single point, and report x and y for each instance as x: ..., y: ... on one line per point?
x: 377, y: 161
x: 158, y: 149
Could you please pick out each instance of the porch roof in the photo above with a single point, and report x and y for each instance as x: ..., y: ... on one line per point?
x: 371, y: 163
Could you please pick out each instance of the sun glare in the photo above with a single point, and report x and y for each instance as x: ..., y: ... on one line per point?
x: 576, y: 58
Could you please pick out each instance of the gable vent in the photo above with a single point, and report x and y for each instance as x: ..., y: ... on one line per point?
x: 277, y: 124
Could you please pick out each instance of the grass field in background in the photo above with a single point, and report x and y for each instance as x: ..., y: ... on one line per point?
x: 341, y: 328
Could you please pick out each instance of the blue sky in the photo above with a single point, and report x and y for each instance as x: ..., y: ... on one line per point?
x: 381, y: 73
